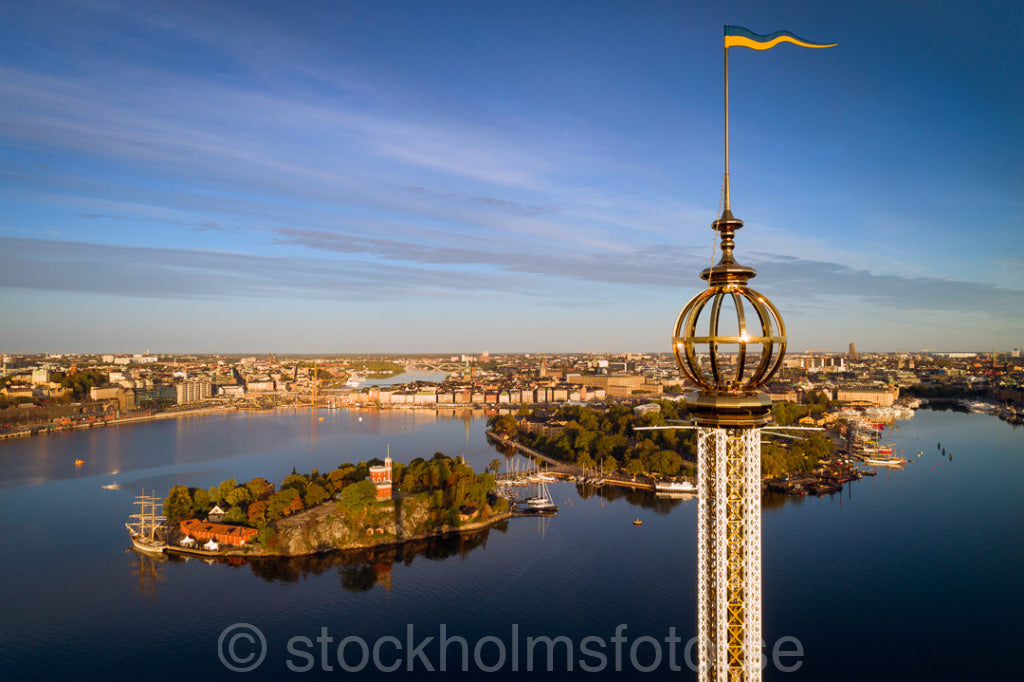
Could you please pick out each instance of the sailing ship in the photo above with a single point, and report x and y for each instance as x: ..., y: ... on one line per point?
x: 142, y: 526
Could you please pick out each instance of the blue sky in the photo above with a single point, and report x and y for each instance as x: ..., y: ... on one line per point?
x: 509, y: 176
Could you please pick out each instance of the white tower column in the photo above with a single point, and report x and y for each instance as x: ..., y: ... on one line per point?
x: 729, y: 554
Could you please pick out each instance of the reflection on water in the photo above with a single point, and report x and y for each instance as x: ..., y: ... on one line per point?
x: 359, y: 570
x: 648, y: 499
x: 147, y: 572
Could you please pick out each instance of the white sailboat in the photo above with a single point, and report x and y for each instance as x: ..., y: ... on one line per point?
x: 142, y: 527
x: 542, y: 500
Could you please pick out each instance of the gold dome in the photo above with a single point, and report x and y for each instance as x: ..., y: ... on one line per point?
x: 743, y: 357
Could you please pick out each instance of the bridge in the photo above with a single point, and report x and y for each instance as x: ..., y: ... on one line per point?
x: 434, y: 366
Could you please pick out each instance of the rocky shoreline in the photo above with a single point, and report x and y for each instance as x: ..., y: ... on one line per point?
x: 326, y: 528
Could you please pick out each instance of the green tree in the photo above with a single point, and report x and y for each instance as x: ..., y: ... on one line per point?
x: 260, y: 488
x: 665, y: 462
x: 584, y: 439
x: 236, y: 515
x: 495, y: 465
x: 316, y: 494
x: 239, y: 497
x: 505, y: 425
x: 297, y: 481
x: 178, y: 505
x: 282, y: 504
x: 584, y: 461
x: 224, y: 488
x: 200, y: 503
x: 358, y: 494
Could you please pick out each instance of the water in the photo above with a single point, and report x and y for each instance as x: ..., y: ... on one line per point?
x: 912, y: 574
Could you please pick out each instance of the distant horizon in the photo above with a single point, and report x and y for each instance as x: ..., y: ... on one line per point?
x: 476, y: 354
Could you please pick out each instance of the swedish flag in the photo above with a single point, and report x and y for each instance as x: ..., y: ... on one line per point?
x: 741, y: 37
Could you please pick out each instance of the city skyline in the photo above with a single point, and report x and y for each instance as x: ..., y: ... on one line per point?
x: 521, y: 178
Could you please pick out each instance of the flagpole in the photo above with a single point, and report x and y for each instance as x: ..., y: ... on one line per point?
x: 727, y: 208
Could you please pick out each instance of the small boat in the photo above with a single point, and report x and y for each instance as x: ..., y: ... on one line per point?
x: 79, y: 462
x: 637, y: 522
x: 675, y: 487
x: 885, y: 461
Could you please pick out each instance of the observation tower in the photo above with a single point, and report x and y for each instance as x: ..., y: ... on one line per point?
x: 729, y: 340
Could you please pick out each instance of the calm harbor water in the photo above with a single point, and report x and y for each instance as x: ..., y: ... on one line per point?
x: 912, y: 574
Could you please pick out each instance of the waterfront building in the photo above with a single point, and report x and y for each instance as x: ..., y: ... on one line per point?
x: 217, y: 533
x: 193, y: 390
x: 159, y: 396
x: 873, y: 395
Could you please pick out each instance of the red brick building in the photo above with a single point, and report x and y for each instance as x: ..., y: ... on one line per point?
x: 222, y: 533
x: 381, y: 477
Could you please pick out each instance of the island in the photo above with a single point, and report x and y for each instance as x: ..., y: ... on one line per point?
x: 354, y: 507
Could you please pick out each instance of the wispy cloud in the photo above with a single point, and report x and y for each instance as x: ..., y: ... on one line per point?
x: 511, y: 207
x: 389, y: 269
x: 187, y: 274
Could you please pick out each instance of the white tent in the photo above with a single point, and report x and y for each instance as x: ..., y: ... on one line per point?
x: 211, y: 545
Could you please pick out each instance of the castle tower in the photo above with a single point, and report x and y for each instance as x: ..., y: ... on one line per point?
x: 381, y: 477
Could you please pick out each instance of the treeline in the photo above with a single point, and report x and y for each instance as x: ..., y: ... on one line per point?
x: 788, y: 414
x: 798, y: 456
x: 80, y: 383
x: 606, y: 439
x: 450, y: 485
x: 381, y: 367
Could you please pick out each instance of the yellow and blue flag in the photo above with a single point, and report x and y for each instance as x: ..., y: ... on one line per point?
x: 741, y: 37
